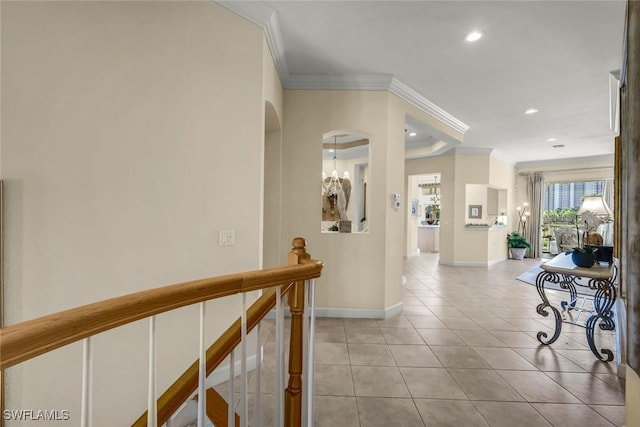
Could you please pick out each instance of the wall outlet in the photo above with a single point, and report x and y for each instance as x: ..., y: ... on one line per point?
x: 227, y: 238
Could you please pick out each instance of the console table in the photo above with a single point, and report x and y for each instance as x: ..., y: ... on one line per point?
x: 565, y: 273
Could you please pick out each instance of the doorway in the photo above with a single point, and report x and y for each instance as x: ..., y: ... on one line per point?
x: 423, y: 214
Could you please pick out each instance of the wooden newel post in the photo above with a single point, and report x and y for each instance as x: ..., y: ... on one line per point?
x: 293, y: 394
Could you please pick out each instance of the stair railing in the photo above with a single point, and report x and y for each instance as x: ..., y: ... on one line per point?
x: 29, y: 339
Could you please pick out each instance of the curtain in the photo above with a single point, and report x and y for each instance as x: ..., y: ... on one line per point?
x: 535, y: 191
x: 606, y: 229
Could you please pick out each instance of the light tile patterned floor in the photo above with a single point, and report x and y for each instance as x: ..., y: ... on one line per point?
x: 463, y: 353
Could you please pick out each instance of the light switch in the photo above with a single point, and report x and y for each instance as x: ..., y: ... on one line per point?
x: 227, y: 238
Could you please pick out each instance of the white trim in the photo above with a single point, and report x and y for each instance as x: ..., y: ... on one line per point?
x: 393, y: 310
x: 255, y: 11
x: 411, y: 255
x: 221, y: 374
x: 265, y: 17
x: 471, y: 264
x: 273, y: 36
x: 360, y: 313
x: 587, y: 161
x: 496, y: 261
x: 411, y: 96
x: 472, y: 151
x: 339, y: 82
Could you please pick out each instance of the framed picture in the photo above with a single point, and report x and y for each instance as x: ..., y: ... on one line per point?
x: 475, y: 211
x: 414, y: 207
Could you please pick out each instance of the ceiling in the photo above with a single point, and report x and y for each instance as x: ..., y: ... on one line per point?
x: 555, y: 56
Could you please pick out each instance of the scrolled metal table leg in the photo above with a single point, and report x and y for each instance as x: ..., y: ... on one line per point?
x: 567, y: 282
x: 603, y: 302
x: 541, y: 308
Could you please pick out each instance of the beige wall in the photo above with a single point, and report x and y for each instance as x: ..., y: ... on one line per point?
x: 460, y: 245
x: 132, y: 133
x: 274, y: 249
x: 354, y: 272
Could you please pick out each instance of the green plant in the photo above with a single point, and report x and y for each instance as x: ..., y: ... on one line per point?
x: 515, y: 240
x: 334, y: 227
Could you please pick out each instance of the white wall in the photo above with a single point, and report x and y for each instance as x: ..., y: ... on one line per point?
x: 132, y: 133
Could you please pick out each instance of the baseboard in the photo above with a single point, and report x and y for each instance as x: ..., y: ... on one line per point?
x: 393, y: 310
x: 471, y: 263
x: 350, y: 313
x: 360, y: 313
x: 496, y: 261
x: 221, y: 374
x: 411, y: 255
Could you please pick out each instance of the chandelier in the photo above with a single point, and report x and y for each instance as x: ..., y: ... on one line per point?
x: 335, y: 190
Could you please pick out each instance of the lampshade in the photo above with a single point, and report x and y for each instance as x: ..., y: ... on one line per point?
x: 595, y: 204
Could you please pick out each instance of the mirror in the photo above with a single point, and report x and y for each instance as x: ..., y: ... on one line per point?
x: 345, y: 172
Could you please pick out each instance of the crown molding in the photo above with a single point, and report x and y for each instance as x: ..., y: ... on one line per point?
x: 266, y: 17
x: 604, y: 161
x: 472, y: 151
x: 255, y: 11
x: 411, y: 96
x: 339, y: 81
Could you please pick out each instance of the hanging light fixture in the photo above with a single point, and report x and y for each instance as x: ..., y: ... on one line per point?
x: 336, y: 190
x: 332, y: 185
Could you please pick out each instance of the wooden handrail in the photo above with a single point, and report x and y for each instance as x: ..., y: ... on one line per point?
x: 178, y: 392
x: 26, y: 340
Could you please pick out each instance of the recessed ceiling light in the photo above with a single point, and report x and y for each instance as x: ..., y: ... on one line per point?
x: 531, y: 111
x: 552, y: 139
x: 412, y: 134
x: 473, y: 36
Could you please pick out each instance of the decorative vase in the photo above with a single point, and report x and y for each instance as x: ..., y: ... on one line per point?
x: 583, y: 259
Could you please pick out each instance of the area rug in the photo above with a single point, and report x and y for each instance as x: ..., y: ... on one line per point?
x: 529, y: 277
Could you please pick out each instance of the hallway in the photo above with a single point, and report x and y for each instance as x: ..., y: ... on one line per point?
x: 463, y: 354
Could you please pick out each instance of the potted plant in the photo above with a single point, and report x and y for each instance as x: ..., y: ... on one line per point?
x: 517, y: 245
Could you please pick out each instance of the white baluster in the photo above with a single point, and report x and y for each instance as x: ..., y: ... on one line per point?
x: 312, y: 338
x: 231, y: 413
x: 87, y: 365
x: 278, y: 412
x: 257, y: 411
x: 305, y: 352
x: 244, y: 415
x: 152, y: 407
x: 202, y: 370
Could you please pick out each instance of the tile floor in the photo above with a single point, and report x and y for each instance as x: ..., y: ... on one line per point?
x: 462, y: 354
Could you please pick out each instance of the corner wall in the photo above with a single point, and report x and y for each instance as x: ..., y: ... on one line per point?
x: 132, y: 133
x: 354, y: 272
